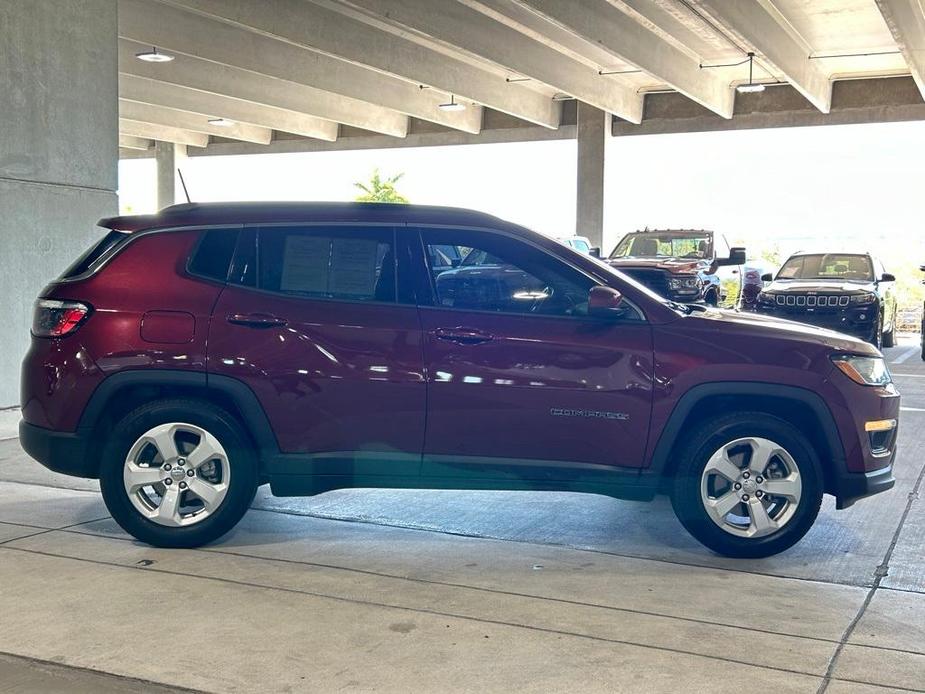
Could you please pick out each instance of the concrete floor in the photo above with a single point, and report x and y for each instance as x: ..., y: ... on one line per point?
x: 372, y: 590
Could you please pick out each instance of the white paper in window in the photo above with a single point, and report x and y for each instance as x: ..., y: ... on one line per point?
x: 354, y: 267
x: 306, y: 264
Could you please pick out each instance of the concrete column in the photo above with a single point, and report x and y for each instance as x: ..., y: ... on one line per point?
x: 592, y: 138
x: 58, y: 152
x: 170, y: 158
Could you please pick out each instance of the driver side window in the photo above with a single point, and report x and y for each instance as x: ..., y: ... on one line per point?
x: 501, y: 274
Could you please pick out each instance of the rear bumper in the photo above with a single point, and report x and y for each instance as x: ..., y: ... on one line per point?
x: 64, y: 452
x: 850, y: 487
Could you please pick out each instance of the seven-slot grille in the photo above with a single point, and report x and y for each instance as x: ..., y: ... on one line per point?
x: 812, y: 300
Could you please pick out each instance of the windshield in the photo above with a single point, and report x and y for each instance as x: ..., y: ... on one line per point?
x: 664, y: 245
x: 828, y: 266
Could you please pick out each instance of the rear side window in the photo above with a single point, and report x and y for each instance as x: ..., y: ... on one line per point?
x: 340, y: 263
x: 109, y: 242
x: 213, y: 254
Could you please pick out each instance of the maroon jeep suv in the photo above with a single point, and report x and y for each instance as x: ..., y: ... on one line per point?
x: 192, y: 355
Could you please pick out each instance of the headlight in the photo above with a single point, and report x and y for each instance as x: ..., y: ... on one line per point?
x: 683, y: 283
x: 868, y: 371
x: 863, y: 299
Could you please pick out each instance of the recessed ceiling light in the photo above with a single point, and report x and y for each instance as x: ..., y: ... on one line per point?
x: 222, y: 122
x: 153, y: 56
x: 452, y: 105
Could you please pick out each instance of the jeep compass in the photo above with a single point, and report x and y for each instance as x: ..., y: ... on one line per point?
x: 192, y: 355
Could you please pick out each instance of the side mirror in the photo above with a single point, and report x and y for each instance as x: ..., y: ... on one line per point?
x: 595, y: 252
x: 767, y: 277
x: 604, y: 301
x: 736, y: 257
x: 887, y: 277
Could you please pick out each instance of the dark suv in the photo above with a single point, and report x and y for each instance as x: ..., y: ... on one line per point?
x: 848, y: 292
x: 684, y: 265
x: 195, y: 354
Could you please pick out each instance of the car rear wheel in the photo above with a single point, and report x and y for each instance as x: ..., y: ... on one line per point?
x: 747, y: 485
x: 176, y: 473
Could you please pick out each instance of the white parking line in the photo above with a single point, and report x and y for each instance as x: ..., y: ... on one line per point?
x: 912, y: 409
x: 893, y: 373
x: 908, y: 352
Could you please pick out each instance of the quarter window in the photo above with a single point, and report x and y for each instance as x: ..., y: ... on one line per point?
x: 497, y: 273
x: 213, y: 254
x: 342, y: 263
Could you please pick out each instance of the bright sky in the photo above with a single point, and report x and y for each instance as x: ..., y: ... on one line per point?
x: 851, y: 184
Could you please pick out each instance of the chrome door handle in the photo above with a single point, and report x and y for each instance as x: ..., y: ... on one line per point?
x: 463, y: 336
x: 256, y: 320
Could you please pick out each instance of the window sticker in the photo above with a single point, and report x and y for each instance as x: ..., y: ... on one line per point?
x: 354, y: 267
x: 306, y: 264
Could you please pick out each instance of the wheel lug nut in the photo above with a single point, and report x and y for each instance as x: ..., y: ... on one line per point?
x: 182, y: 485
x: 745, y: 475
x: 190, y: 473
x: 738, y: 486
x: 758, y: 493
x: 166, y: 466
x: 168, y: 481
x: 745, y: 497
x: 759, y: 479
x: 180, y: 461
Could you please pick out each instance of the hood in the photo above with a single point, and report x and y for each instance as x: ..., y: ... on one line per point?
x: 673, y: 265
x: 821, y: 286
x: 758, y: 324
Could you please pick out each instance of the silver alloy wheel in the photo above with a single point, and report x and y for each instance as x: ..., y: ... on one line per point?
x: 751, y: 487
x: 176, y: 474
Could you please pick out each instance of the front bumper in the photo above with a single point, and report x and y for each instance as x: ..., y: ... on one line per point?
x: 846, y: 321
x: 64, y: 452
x: 850, y: 487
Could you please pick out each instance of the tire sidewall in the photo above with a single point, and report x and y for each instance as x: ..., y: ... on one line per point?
x: 241, y: 461
x: 688, y: 504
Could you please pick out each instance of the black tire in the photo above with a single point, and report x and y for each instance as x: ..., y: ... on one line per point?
x: 693, y: 457
x: 243, y: 477
x: 877, y: 338
x: 889, y: 338
x: 712, y: 298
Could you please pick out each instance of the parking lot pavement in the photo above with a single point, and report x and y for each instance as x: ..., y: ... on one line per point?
x: 458, y: 591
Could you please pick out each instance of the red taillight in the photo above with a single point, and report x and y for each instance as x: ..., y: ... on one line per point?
x: 53, y: 318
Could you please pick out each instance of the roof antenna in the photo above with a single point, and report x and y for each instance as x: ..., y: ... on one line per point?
x: 183, y: 183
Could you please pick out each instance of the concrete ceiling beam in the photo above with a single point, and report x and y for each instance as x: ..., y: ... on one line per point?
x: 753, y: 25
x: 906, y: 21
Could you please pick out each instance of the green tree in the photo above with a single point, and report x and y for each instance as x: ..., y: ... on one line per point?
x: 380, y: 190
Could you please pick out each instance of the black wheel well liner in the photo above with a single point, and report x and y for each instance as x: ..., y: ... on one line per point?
x: 803, y: 408
x: 122, y: 392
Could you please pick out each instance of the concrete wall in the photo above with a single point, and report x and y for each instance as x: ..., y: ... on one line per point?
x: 58, y: 151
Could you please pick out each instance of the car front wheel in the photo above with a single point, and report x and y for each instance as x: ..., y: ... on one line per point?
x: 889, y: 336
x: 747, y: 485
x: 176, y: 473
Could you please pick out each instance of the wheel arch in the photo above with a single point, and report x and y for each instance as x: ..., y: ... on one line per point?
x: 124, y: 391
x: 801, y: 407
